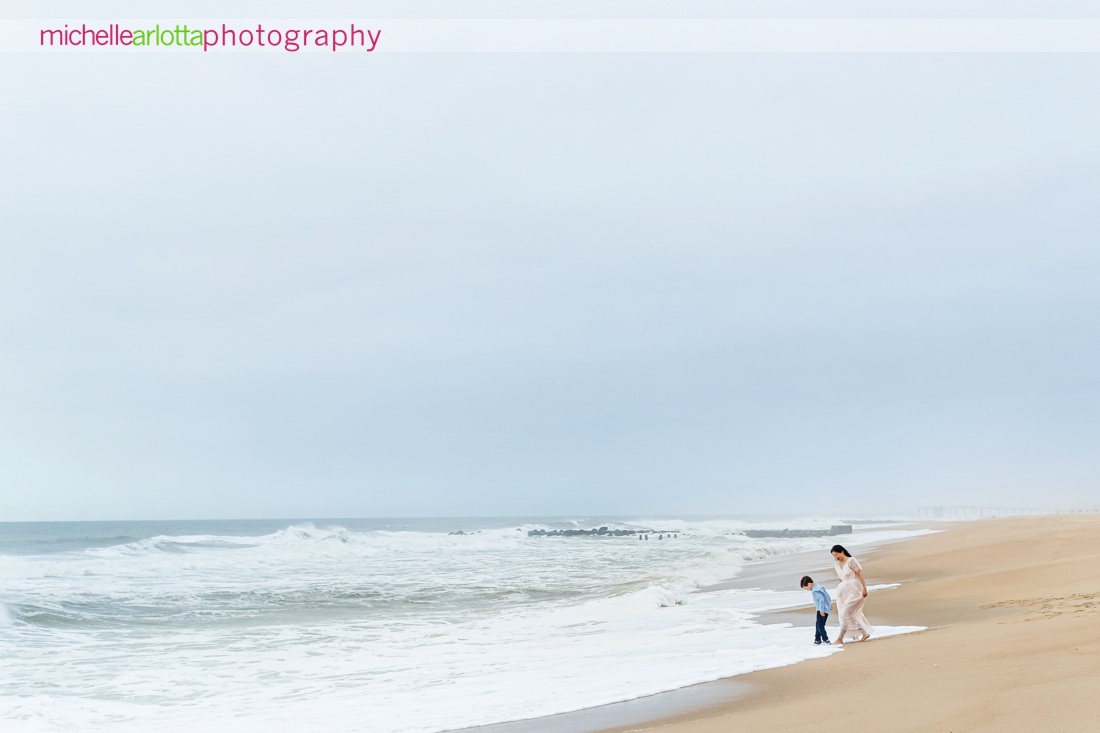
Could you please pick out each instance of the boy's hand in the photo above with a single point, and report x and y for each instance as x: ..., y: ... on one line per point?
x: 821, y: 613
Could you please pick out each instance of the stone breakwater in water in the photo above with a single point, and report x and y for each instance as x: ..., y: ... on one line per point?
x: 836, y: 529
x: 799, y: 533
x: 601, y: 532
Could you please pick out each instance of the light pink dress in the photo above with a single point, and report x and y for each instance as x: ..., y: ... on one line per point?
x: 849, y: 601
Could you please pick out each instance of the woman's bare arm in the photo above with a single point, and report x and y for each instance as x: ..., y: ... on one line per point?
x: 859, y: 574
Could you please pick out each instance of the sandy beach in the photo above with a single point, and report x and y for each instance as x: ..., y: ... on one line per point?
x: 1012, y: 608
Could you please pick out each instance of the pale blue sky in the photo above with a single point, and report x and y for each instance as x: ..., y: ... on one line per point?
x: 490, y: 284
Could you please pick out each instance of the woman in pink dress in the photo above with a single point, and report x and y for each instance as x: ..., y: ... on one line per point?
x: 850, y: 596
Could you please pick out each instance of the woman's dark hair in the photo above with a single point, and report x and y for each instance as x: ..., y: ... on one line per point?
x: 838, y: 548
x: 806, y: 580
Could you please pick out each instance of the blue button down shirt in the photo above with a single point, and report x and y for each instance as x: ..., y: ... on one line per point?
x: 822, y: 602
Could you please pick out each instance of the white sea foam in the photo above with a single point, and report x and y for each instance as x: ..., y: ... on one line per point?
x: 320, y: 627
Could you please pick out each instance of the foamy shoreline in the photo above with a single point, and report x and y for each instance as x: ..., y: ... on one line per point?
x: 777, y: 576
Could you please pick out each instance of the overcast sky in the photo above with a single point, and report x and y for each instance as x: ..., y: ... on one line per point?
x: 493, y: 284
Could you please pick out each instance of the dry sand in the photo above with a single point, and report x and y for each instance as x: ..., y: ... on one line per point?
x: 1012, y: 608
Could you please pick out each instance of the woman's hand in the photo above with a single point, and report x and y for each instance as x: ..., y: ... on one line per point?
x: 864, y: 591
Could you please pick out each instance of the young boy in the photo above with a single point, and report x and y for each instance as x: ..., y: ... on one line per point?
x: 823, y: 604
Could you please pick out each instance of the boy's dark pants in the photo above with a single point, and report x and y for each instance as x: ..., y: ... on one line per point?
x: 820, y: 635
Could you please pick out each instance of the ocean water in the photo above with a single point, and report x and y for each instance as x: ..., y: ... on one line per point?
x: 391, y: 626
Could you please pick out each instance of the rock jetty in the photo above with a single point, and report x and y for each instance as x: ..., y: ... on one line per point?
x: 799, y: 533
x: 601, y: 532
